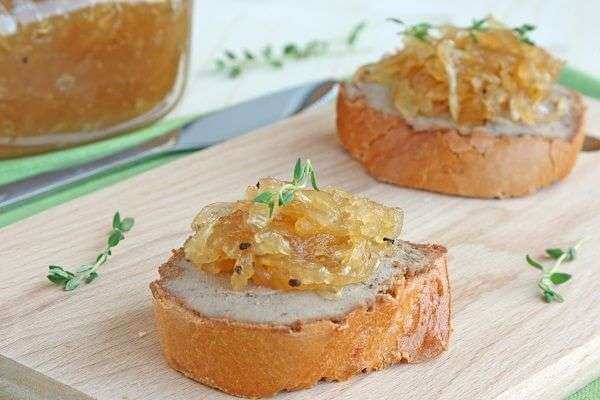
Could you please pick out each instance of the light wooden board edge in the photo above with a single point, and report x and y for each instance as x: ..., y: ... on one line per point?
x: 18, y: 382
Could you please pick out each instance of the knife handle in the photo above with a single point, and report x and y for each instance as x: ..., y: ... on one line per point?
x: 16, y: 192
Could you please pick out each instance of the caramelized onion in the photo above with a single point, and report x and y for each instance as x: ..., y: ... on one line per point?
x: 322, y: 240
x: 471, y: 76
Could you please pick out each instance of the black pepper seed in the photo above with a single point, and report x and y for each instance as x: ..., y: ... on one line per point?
x: 386, y: 239
x: 244, y: 245
x: 258, y: 185
x: 294, y: 282
x: 238, y: 269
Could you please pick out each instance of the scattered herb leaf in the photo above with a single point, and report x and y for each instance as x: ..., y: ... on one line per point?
x: 88, y: 272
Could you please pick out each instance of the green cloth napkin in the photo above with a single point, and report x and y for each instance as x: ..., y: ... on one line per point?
x: 15, y: 169
x: 12, y: 170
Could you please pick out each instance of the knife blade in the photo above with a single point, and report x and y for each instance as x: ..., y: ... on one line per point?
x: 198, y: 134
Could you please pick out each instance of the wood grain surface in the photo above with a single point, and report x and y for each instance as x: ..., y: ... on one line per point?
x: 99, y: 341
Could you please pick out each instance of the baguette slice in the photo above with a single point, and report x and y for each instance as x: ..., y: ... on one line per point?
x: 497, y: 160
x: 260, y: 341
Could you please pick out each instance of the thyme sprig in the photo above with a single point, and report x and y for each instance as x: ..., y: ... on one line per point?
x: 88, y: 272
x: 553, y: 277
x: 302, y: 174
x: 233, y: 64
x: 422, y: 30
x: 419, y: 31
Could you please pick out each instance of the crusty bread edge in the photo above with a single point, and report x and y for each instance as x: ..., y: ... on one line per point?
x: 409, y: 321
x: 481, y: 164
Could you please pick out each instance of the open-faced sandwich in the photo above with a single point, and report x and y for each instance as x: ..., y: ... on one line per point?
x: 470, y: 111
x: 290, y: 286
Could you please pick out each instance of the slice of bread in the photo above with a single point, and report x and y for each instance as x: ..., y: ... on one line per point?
x: 497, y: 160
x: 260, y: 341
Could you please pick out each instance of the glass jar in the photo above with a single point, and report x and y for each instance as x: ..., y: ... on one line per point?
x: 75, y: 71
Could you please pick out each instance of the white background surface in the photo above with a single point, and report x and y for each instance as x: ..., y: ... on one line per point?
x: 569, y: 29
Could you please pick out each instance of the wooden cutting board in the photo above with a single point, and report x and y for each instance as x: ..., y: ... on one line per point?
x: 100, y: 342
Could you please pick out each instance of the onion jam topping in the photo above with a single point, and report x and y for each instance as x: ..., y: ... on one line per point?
x: 320, y: 240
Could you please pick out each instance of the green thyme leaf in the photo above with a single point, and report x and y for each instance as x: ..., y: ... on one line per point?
x: 219, y: 64
x: 230, y: 54
x: 116, y: 221
x: 60, y: 271
x: 298, y: 172
x: 267, y: 52
x: 235, y: 71
x: 313, y: 179
x: 314, y: 48
x: 72, y: 283
x: 58, y: 279
x: 522, y: 33
x: 355, y: 32
x: 534, y: 263
x: 264, y: 197
x: 248, y: 55
x: 559, y: 277
x: 115, y: 237
x: 554, y: 253
x: 126, y: 224
x: 478, y: 24
x: 291, y: 50
x: 419, y: 31
x: 396, y: 20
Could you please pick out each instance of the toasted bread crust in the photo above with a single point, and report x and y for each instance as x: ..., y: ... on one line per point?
x: 408, y: 322
x: 477, y: 165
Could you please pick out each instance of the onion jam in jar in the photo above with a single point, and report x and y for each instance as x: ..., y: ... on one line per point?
x: 76, y: 71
